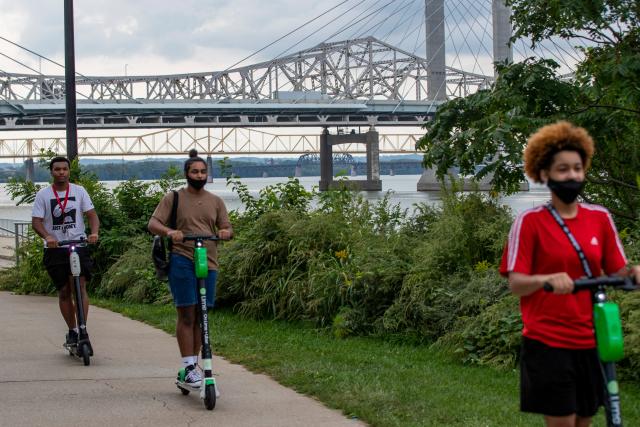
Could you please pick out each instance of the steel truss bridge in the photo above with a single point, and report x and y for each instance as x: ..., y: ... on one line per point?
x: 361, y: 82
x: 209, y: 141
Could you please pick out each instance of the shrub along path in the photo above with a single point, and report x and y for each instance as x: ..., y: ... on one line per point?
x: 130, y: 380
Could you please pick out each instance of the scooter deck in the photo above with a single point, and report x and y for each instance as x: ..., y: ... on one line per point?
x: 73, y: 348
x: 186, y: 388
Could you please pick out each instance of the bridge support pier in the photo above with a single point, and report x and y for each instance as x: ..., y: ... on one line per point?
x: 429, y: 182
x: 370, y: 138
x: 30, y: 171
x: 326, y: 161
x: 209, y: 169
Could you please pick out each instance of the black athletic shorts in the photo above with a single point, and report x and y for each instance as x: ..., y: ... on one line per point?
x: 559, y: 381
x: 56, y: 261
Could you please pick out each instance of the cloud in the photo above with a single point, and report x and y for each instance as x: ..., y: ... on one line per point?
x: 167, y: 37
x: 174, y: 32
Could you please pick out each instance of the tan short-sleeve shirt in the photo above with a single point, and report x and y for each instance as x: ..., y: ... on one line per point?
x: 202, y: 213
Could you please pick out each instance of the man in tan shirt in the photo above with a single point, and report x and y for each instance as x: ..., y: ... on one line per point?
x: 203, y: 213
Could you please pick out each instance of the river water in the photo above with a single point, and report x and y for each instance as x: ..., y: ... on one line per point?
x: 402, y: 187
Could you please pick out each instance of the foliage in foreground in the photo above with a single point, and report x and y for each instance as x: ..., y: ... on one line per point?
x: 346, y: 265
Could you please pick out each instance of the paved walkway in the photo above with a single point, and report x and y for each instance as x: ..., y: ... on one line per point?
x: 130, y: 379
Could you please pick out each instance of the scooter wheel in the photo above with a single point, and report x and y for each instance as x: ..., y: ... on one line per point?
x: 184, y: 391
x: 84, y: 352
x: 210, y: 397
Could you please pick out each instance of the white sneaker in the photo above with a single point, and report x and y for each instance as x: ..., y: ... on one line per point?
x: 193, y: 377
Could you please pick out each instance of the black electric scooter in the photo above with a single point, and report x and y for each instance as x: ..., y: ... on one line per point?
x: 82, y: 349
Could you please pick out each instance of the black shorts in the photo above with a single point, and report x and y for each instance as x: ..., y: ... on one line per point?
x: 559, y: 381
x: 56, y: 261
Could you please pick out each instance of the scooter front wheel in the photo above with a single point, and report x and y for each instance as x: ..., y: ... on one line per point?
x: 210, y: 396
x: 86, y: 356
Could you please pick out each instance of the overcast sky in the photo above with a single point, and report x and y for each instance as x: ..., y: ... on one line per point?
x: 155, y: 37
x: 164, y: 37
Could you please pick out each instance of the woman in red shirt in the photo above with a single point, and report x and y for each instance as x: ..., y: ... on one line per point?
x: 560, y: 371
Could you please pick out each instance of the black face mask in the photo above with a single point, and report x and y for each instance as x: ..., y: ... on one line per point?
x: 567, y: 190
x: 196, y: 183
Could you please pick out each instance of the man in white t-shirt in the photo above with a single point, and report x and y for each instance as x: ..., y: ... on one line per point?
x: 57, y: 215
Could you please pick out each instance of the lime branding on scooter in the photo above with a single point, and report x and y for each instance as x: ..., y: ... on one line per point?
x: 82, y: 349
x: 208, y: 387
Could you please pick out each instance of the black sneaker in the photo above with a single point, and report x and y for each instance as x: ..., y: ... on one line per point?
x: 71, y: 338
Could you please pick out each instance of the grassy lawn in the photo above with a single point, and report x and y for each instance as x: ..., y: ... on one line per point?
x: 383, y: 384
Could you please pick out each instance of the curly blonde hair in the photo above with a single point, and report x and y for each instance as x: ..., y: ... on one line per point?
x: 551, y: 139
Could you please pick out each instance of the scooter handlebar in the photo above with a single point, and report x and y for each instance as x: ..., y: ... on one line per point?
x: 82, y: 240
x: 195, y: 237
x: 625, y: 283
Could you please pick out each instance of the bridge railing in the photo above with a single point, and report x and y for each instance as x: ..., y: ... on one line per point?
x: 215, y: 141
x: 18, y: 230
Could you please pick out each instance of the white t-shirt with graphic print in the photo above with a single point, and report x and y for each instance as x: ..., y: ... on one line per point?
x: 69, y: 226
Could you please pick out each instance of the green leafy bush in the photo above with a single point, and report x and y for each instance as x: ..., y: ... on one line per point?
x: 30, y: 276
x: 298, y: 266
x: 132, y: 276
x: 491, y: 338
x: 630, y: 315
x: 468, y: 231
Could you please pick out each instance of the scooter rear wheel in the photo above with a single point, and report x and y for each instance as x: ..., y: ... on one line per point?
x: 210, y: 397
x: 84, y: 352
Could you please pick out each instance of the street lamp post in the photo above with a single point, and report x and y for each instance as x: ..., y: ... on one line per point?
x: 70, y: 82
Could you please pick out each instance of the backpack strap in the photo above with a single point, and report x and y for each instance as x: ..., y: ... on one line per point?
x: 173, y: 219
x: 572, y: 239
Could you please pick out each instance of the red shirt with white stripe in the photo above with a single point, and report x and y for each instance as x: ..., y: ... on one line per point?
x: 537, y: 245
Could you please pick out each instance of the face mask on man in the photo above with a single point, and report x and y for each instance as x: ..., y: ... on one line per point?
x: 567, y: 191
x: 196, y: 183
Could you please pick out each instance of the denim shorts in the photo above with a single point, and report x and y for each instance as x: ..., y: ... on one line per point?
x: 183, y: 282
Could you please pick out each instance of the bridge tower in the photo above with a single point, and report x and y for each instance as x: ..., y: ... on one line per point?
x: 371, y: 139
x: 502, y: 50
x: 435, y: 54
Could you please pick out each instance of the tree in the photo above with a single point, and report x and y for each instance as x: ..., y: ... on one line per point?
x: 491, y: 126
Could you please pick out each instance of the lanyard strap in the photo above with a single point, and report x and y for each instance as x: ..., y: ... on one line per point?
x: 66, y: 198
x: 572, y: 239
